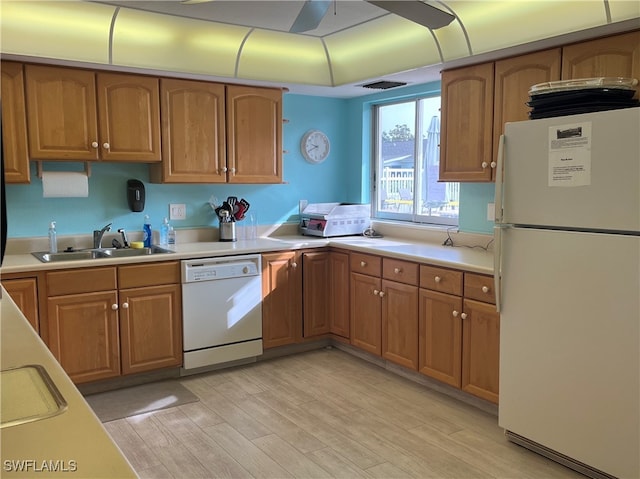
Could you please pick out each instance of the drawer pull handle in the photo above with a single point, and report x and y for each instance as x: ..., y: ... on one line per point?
x: 437, y: 279
x: 485, y: 289
x: 114, y: 307
x: 463, y: 315
x: 397, y: 271
x: 363, y: 264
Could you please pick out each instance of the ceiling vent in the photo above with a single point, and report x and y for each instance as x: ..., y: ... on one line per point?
x: 384, y: 85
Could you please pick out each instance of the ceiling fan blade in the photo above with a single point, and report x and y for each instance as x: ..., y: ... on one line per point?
x: 310, y: 15
x: 416, y: 11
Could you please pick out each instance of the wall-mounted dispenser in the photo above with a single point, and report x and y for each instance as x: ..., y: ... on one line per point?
x: 135, y: 195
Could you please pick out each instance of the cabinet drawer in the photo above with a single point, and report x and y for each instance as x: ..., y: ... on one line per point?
x: 139, y: 275
x: 365, y: 264
x: 401, y: 271
x: 85, y: 280
x: 479, y: 287
x: 441, y: 279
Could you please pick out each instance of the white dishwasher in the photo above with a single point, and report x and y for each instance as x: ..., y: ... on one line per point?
x: 222, y: 310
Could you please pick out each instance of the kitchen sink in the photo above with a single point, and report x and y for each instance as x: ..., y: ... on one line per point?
x: 98, y: 253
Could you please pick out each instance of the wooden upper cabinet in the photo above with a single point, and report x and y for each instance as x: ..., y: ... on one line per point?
x: 129, y: 117
x: 615, y: 56
x: 61, y: 113
x: 254, y: 134
x: 76, y: 114
x: 14, y: 124
x: 467, y: 120
x: 513, y: 79
x: 193, y: 133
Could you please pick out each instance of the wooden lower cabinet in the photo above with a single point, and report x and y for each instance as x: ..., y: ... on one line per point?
x: 83, y: 335
x: 440, y: 336
x: 150, y: 328
x: 24, y: 292
x: 316, y: 274
x: 400, y: 323
x: 97, y: 331
x: 281, y: 299
x: 339, y: 293
x: 480, y: 349
x: 366, y: 313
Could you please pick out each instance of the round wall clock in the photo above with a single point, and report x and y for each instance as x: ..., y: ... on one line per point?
x: 315, y: 146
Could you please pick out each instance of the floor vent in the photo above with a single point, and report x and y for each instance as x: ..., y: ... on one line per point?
x: 384, y: 85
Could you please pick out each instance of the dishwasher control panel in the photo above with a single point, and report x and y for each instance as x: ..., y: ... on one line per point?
x: 212, y: 269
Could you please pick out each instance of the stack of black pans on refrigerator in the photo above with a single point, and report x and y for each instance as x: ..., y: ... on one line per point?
x: 586, y: 95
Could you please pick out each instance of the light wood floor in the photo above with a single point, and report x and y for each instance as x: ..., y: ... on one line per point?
x: 322, y: 414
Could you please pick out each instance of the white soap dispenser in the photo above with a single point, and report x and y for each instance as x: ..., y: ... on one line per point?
x: 53, y: 238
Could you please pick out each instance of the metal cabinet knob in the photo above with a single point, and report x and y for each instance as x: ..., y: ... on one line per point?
x: 484, y: 165
x: 106, y: 146
x: 224, y: 169
x: 381, y: 294
x: 94, y: 144
x: 397, y: 270
x: 363, y: 264
x: 376, y: 292
x: 114, y: 307
x: 455, y: 313
x: 233, y: 171
x: 125, y: 305
x: 485, y: 289
x: 463, y: 315
x: 294, y: 264
x: 493, y: 164
x: 437, y: 279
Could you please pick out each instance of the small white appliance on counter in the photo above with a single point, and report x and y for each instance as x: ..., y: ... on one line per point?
x: 222, y: 310
x: 567, y: 282
x: 335, y: 219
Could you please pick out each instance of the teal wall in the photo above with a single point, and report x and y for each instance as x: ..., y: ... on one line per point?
x: 344, y: 176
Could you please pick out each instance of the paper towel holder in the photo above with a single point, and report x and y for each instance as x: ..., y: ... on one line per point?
x: 87, y: 168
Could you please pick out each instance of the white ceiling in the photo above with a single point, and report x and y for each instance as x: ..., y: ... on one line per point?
x: 248, y: 41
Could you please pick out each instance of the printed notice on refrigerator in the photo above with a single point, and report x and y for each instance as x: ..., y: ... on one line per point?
x: 570, y: 154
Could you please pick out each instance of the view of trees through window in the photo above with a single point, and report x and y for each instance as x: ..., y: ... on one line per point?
x: 407, y: 164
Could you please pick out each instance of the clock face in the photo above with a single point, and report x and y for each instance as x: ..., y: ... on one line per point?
x: 315, y: 146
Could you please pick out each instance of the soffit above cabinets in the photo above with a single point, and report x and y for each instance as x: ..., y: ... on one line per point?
x: 249, y: 41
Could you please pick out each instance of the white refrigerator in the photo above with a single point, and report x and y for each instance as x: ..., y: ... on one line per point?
x: 567, y: 252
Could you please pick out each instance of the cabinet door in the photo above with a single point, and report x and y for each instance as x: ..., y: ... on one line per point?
x: 481, y: 350
x: 615, y: 56
x: 281, y: 299
x: 14, y: 124
x: 24, y: 293
x: 400, y: 323
x: 339, y: 293
x: 366, y: 310
x: 83, y: 335
x: 193, y: 133
x: 316, y: 273
x: 254, y: 134
x: 440, y: 336
x: 513, y: 78
x: 467, y: 119
x: 61, y: 113
x: 129, y: 117
x: 150, y: 328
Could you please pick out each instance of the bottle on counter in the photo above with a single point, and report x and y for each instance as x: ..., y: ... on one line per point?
x: 171, y: 237
x: 164, y: 232
x: 146, y: 232
x: 53, y: 238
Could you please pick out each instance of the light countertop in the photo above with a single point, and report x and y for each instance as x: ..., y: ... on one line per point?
x: 71, y: 444
x: 460, y: 257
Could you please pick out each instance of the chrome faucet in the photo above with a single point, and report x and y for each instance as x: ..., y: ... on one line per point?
x: 125, y: 241
x: 98, y: 234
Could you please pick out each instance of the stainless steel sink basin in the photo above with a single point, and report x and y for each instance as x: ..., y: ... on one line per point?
x: 87, y: 254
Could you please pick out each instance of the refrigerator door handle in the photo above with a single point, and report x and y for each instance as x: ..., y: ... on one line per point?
x: 497, y: 263
x: 499, y: 169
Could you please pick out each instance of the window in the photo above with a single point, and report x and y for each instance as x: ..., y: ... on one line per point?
x: 406, y: 168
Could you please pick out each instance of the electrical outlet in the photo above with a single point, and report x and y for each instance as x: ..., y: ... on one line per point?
x: 177, y: 211
x: 491, y: 212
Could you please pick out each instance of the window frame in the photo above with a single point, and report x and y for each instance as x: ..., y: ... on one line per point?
x: 413, y: 217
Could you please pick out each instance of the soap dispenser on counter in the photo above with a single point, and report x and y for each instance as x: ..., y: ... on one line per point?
x: 53, y: 238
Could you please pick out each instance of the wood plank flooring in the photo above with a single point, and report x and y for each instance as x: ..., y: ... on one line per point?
x: 322, y: 414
